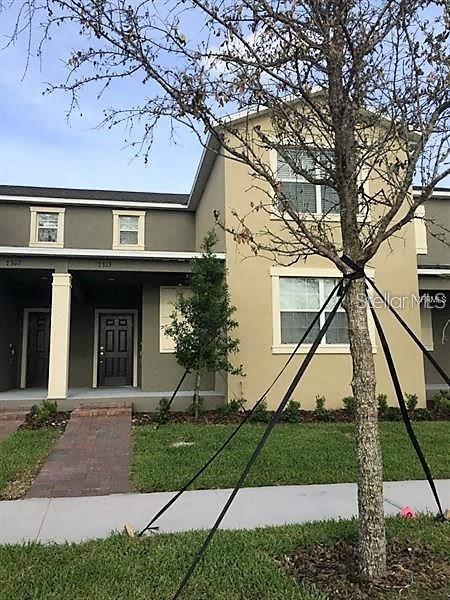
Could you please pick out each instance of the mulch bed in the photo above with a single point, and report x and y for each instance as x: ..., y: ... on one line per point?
x: 306, y: 416
x: 58, y: 421
x: 332, y: 569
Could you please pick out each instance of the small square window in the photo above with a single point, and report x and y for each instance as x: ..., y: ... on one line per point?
x: 47, y: 227
x: 129, y: 229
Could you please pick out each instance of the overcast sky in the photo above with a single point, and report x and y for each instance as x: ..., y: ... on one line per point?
x: 39, y: 147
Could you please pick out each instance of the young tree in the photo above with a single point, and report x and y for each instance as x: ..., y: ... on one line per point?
x: 202, y: 321
x: 356, y: 91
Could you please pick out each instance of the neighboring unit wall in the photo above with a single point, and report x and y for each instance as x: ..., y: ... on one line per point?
x: 329, y: 374
x: 14, y: 225
x: 440, y: 318
x: 10, y: 335
x: 437, y: 213
x: 213, y: 199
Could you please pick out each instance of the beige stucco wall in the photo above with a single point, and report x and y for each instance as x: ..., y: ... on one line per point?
x: 213, y: 199
x: 329, y: 374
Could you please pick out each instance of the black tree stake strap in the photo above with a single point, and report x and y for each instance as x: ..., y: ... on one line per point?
x: 169, y: 404
x: 245, y: 419
x: 274, y: 420
x: 402, y: 405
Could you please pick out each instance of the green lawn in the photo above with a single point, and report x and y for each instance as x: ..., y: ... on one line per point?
x: 294, y: 454
x: 240, y: 565
x: 20, y: 456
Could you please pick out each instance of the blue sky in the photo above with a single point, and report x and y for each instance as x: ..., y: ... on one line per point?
x: 40, y: 147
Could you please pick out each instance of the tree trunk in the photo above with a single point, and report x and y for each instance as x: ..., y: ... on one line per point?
x: 196, y: 399
x: 372, y: 535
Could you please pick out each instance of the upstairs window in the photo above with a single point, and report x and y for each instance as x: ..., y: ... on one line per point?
x: 305, y: 197
x: 300, y: 300
x: 47, y: 227
x: 128, y: 230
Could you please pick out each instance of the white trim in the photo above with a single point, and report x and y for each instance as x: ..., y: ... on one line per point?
x: 305, y: 272
x: 426, y: 327
x: 304, y: 349
x: 103, y: 253
x: 313, y: 272
x: 116, y: 230
x: 444, y: 272
x: 89, y: 202
x: 34, y: 242
x: 116, y: 311
x: 434, y: 193
x: 24, y: 356
x: 420, y: 230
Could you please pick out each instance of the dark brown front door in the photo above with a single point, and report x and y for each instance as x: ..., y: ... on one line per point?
x: 115, y: 352
x: 38, y: 349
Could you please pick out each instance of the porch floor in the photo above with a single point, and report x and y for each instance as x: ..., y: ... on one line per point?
x: 116, y: 396
x: 76, y: 396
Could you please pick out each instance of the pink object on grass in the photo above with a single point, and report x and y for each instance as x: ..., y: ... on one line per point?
x: 407, y: 512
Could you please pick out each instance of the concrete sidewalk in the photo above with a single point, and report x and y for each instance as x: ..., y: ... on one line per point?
x: 77, y: 519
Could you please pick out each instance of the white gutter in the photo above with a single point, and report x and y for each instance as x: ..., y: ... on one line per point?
x: 445, y: 272
x: 100, y: 253
x: 91, y: 202
x: 435, y: 193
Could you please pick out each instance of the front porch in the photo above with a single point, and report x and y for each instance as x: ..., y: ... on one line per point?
x: 90, y: 337
x: 136, y: 398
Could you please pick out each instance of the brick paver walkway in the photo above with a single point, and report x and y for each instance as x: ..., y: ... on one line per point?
x: 10, y: 421
x: 91, y: 458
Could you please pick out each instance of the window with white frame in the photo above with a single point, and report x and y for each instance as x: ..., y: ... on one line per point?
x: 300, y: 300
x: 47, y: 226
x: 302, y: 196
x: 128, y: 230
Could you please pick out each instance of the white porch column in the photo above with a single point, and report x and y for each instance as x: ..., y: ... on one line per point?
x: 58, y: 372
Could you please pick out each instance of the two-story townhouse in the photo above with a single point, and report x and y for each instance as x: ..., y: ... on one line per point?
x: 88, y: 277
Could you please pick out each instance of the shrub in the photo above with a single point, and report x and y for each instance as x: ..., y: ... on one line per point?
x: 291, y: 413
x: 232, y: 407
x: 422, y: 414
x: 44, y: 412
x: 393, y: 414
x: 441, y: 403
x: 321, y: 413
x: 411, y: 401
x: 382, y: 404
x: 260, y: 414
x: 349, y: 403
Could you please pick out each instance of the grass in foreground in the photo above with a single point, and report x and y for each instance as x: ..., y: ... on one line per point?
x: 295, y: 454
x: 239, y: 565
x: 20, y: 457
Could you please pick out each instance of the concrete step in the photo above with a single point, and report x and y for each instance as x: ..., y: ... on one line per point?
x: 104, y: 411
x: 8, y: 414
